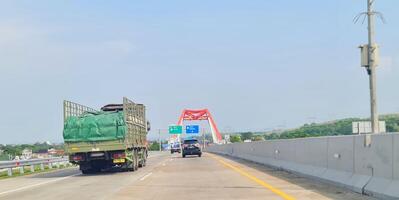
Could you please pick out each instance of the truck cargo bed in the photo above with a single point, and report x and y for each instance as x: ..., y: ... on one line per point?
x: 86, y: 129
x: 115, y: 137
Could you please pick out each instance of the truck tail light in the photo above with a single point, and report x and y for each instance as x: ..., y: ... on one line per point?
x: 77, y: 158
x: 118, y: 155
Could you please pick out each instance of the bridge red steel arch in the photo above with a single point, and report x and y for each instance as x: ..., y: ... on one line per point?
x: 204, y: 114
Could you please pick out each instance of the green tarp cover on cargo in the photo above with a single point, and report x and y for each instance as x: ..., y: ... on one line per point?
x: 90, y: 127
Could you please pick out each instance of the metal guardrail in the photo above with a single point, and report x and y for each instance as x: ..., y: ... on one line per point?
x: 21, y: 164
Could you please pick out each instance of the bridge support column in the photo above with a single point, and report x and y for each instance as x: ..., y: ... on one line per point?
x: 42, y: 167
x: 50, y: 165
x: 32, y: 168
x: 21, y: 170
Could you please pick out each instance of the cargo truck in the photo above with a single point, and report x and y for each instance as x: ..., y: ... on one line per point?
x: 114, y: 137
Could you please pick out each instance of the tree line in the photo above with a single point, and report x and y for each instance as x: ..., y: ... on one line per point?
x: 338, y: 127
x: 16, y: 150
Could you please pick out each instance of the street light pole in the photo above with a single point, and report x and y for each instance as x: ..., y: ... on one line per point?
x: 372, y: 67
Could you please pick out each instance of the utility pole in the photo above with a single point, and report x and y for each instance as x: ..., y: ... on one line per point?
x: 370, y: 61
x: 372, y: 67
x: 159, y: 139
x: 203, y: 137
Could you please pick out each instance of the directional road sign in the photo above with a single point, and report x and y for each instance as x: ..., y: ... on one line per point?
x: 192, y: 129
x: 175, y: 129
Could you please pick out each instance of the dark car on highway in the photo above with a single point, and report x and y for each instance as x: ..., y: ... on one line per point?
x: 191, y: 147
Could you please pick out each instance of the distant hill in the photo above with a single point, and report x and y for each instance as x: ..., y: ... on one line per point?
x: 338, y: 127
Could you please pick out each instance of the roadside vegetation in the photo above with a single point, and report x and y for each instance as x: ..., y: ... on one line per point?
x: 337, y: 127
x: 10, y: 151
x: 154, y: 146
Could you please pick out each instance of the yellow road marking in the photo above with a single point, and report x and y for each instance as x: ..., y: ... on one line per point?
x: 258, y: 181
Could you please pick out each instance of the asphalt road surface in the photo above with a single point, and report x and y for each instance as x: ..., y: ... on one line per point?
x: 169, y: 176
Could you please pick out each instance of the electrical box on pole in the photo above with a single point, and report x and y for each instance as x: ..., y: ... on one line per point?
x: 365, y: 55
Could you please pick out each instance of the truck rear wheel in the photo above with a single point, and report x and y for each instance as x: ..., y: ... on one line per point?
x: 130, y: 166
x: 133, y: 162
x: 136, y: 159
x: 143, y: 159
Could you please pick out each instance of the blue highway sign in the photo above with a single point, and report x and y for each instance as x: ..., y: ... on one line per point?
x: 192, y: 129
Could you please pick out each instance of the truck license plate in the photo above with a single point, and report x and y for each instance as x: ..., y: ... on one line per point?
x: 122, y: 160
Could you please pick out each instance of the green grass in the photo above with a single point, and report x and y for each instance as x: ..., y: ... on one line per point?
x: 16, y: 172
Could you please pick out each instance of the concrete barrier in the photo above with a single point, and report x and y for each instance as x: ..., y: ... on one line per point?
x: 341, y: 160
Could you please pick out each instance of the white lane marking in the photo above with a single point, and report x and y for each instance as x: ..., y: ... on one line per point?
x: 163, y: 164
x: 37, y: 184
x: 146, y: 176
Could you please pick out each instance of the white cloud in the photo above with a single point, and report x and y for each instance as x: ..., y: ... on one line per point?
x: 31, y: 46
x: 12, y: 33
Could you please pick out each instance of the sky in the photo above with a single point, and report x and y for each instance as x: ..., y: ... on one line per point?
x: 256, y: 65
